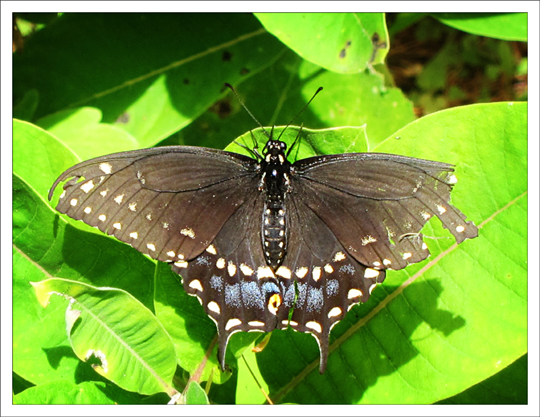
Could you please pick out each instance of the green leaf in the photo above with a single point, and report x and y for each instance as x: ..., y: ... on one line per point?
x: 45, y: 246
x: 506, y: 26
x: 125, y: 341
x: 147, y: 73
x: 506, y: 387
x: 194, y: 335
x: 80, y: 130
x: 37, y: 156
x: 441, y: 326
x: 195, y: 395
x: 347, y: 100
x: 64, y: 392
x: 340, y: 42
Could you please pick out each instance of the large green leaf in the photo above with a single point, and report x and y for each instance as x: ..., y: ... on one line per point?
x: 340, y: 42
x: 44, y: 245
x: 347, y: 100
x: 80, y: 129
x: 443, y: 311
x: 147, y: 72
x: 444, y: 325
x: 128, y: 343
x: 64, y: 392
x: 507, y: 26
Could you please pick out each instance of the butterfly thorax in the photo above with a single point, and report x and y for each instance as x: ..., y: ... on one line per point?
x: 275, y: 183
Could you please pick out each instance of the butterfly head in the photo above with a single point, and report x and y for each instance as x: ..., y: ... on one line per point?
x: 274, y: 152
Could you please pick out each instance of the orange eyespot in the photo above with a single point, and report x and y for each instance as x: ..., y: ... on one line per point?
x: 273, y: 303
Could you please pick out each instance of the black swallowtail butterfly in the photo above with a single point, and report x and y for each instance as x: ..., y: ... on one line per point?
x: 254, y: 237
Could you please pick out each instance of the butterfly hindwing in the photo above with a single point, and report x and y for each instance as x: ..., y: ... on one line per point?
x: 231, y: 279
x: 319, y: 278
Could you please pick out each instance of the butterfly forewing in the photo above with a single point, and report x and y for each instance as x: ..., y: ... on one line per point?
x: 167, y: 202
x: 373, y: 200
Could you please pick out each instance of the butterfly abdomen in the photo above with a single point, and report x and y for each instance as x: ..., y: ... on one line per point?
x: 275, y: 183
x: 274, y: 235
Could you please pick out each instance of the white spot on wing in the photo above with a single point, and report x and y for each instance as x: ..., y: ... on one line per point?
x: 371, y: 273
x: 367, y: 240
x: 117, y: 225
x: 88, y: 210
x: 301, y: 272
x: 232, y: 323
x: 313, y: 325
x: 460, y: 229
x: 213, y: 306
x: 284, y: 272
x: 220, y: 263
x: 256, y: 323
x: 264, y: 272
x: 134, y: 235
x: 452, y: 179
x: 328, y: 268
x: 231, y: 268
x: 425, y: 215
x: 336, y: 311
x: 354, y: 293
x: 151, y: 246
x: 104, y: 193
x: 386, y: 262
x: 441, y: 209
x: 132, y: 206
x: 181, y: 264
x: 196, y: 285
x: 87, y: 186
x: 211, y: 249
x: 188, y: 232
x: 316, y: 273
x: 339, y: 256
x: 102, y: 217
x: 73, y: 202
x: 105, y: 167
x: 63, y: 194
x: 171, y: 254
x: 246, y: 270
x: 407, y: 255
x: 119, y: 198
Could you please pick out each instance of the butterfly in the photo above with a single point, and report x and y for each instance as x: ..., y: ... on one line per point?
x: 262, y: 242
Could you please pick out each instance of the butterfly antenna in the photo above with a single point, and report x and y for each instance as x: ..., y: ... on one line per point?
x: 245, y: 108
x: 300, y: 112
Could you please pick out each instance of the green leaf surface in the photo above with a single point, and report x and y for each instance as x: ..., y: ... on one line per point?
x: 81, y: 131
x: 37, y: 156
x: 347, y: 100
x: 457, y: 297
x: 146, y: 72
x: 195, y: 395
x: 506, y: 26
x: 506, y: 387
x: 444, y: 325
x: 122, y: 338
x: 340, y: 42
x: 45, y: 246
x: 64, y: 392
